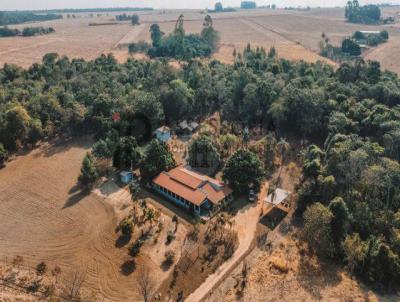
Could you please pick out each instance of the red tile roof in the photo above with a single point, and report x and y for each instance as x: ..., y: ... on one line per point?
x: 192, y: 186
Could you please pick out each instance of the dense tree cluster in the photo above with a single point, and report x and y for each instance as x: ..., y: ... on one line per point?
x: 352, y: 114
x: 8, y: 32
x: 33, y: 31
x: 181, y: 46
x: 141, y: 46
x: 203, y: 153
x: 218, y: 8
x: 125, y: 17
x: 96, y: 10
x: 371, y: 39
x: 26, y: 32
x: 243, y: 171
x: 351, y: 46
x: 367, y: 14
x: 18, y: 17
x: 248, y: 5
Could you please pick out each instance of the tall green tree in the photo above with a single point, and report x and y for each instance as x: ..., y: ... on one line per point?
x: 157, y: 158
x: 243, y: 171
x: 340, y: 221
x: 89, y: 173
x: 317, y: 228
x: 208, y: 32
x: 17, y: 126
x: 270, y: 152
x: 135, y: 20
x: 178, y: 100
x: 148, y: 105
x: 156, y: 35
x: 127, y: 154
x: 3, y: 155
x: 35, y: 132
x: 203, y: 153
x: 218, y: 7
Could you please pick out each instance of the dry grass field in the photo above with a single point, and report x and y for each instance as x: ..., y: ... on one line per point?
x: 295, y: 35
x: 45, y: 218
x: 284, y: 270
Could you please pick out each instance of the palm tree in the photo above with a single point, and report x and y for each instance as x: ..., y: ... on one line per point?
x: 283, y: 147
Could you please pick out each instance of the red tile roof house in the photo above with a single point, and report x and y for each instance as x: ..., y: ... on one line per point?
x: 200, y: 194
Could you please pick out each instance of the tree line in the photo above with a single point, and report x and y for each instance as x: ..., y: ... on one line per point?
x: 248, y: 5
x: 26, y: 32
x: 351, y: 46
x: 367, y: 14
x: 18, y: 17
x: 349, y: 197
x: 124, y: 17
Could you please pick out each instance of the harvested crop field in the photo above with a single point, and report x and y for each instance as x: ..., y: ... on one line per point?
x: 45, y: 218
x: 294, y: 33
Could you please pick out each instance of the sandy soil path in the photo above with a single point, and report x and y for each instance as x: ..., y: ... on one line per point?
x: 246, y: 225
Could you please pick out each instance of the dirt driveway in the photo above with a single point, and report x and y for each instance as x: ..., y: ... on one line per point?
x: 245, y: 224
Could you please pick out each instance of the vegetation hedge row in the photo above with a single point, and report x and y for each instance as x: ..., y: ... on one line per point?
x: 18, y: 17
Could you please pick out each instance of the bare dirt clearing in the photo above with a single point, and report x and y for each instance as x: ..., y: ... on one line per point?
x: 44, y: 218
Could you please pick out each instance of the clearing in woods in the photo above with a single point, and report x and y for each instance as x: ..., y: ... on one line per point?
x: 45, y: 218
x: 295, y: 34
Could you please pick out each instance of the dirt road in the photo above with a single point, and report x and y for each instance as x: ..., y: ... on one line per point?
x: 245, y: 224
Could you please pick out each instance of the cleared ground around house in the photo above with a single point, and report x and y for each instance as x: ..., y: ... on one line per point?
x: 245, y: 224
x: 43, y: 217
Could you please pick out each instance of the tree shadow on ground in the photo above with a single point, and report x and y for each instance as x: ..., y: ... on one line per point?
x: 157, y: 200
x: 273, y: 219
x: 239, y: 205
x: 76, y: 198
x: 62, y: 144
x: 166, y: 265
x: 128, y: 267
x: 316, y: 275
x: 122, y: 241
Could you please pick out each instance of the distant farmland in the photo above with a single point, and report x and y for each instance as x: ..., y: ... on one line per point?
x: 295, y: 34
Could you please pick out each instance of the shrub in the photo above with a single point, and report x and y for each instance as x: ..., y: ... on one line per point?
x: 126, y: 227
x: 33, y: 31
x: 3, y: 155
x: 140, y: 46
x: 384, y: 35
x: 169, y: 258
x: 280, y: 265
x: 134, y: 248
x: 7, y: 32
x: 135, y: 20
x: 170, y: 237
x: 41, y: 268
x: 248, y: 5
x: 89, y: 173
x: 351, y: 47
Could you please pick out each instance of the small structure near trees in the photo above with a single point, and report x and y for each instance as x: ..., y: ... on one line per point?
x: 188, y: 127
x: 163, y: 134
x: 279, y: 197
x: 126, y: 177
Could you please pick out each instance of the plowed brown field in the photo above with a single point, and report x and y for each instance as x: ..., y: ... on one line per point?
x: 44, y: 218
x: 295, y: 34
